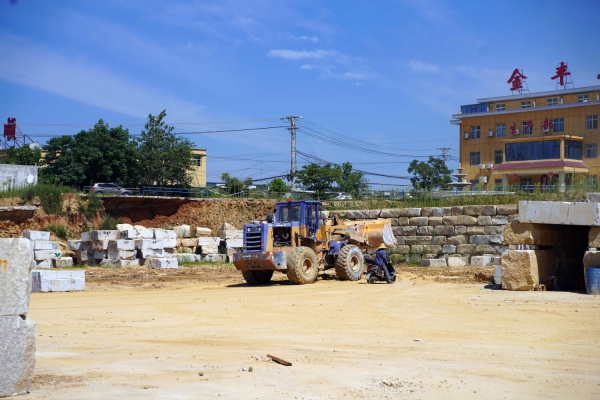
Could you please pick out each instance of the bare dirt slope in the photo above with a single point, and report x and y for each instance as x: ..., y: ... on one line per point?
x: 187, y: 338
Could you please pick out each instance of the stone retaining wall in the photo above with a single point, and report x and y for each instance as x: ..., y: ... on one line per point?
x: 456, y: 233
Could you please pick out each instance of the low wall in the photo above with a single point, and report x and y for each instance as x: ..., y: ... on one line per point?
x: 442, y: 232
x: 17, y: 175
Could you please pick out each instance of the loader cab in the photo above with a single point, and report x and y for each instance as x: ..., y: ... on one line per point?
x: 300, y: 213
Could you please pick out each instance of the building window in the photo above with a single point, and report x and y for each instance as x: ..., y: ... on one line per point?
x: 475, y: 132
x: 559, y: 124
x: 500, y: 107
x: 523, y: 151
x: 525, y: 104
x: 500, y: 130
x: 552, y: 102
x: 197, y: 161
x: 498, y: 157
x: 591, y: 122
x: 591, y: 150
x: 582, y: 98
x: 527, y: 128
x: 475, y: 158
x: 573, y: 149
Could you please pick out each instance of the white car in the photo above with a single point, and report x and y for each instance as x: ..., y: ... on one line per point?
x: 343, y: 196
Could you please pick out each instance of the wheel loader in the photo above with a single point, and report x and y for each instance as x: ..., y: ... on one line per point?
x: 296, y: 242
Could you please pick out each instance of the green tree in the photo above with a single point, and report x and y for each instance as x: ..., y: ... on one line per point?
x: 24, y: 155
x: 318, y: 178
x: 429, y: 175
x: 101, y: 154
x: 165, y: 159
x: 235, y: 185
x: 277, y: 185
x: 350, y: 181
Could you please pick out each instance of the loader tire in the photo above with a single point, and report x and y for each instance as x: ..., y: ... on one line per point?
x: 257, y: 277
x: 349, y: 263
x: 302, y: 267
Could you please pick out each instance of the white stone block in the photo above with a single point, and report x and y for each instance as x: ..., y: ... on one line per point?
x: 209, y: 249
x: 109, y: 262
x: 215, y: 257
x: 17, y: 354
x: 62, y: 262
x: 457, y: 261
x: 147, y: 253
x: 182, y: 231
x: 231, y: 234
x: 559, y: 213
x: 124, y: 227
x: 121, y: 254
x: 210, y: 241
x: 44, y: 245
x: 129, y: 263
x: 145, y: 244
x: 192, y: 242
x: 115, y: 245
x: 434, y: 262
x: 203, y: 232
x: 163, y: 263
x: 86, y: 237
x: 164, y: 234
x: 100, y: 245
x: 81, y: 256
x: 169, y: 243
x: 15, y: 278
x: 46, y: 254
x: 137, y: 234
x: 43, y: 264
x: 481, y: 261
x: 76, y: 245
x: 57, y: 280
x: 104, y: 235
x: 234, y: 243
x: 36, y: 235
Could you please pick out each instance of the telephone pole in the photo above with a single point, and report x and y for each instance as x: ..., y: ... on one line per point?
x: 445, y: 151
x: 292, y: 130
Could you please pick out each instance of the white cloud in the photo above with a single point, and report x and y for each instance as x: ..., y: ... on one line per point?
x: 80, y: 80
x: 312, y: 39
x: 301, y: 54
x: 420, y: 66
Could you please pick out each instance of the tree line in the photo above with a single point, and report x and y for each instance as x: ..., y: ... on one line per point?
x: 105, y: 154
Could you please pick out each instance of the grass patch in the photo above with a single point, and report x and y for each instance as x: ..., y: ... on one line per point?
x: 50, y: 196
x: 109, y: 223
x: 90, y: 209
x: 60, y: 231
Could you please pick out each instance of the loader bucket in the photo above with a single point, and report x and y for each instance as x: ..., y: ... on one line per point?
x: 372, y: 233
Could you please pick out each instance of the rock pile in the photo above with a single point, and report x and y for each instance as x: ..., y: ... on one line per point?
x: 17, y: 332
x: 46, y: 254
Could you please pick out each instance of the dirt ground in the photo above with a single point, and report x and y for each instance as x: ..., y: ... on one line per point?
x: 141, y: 333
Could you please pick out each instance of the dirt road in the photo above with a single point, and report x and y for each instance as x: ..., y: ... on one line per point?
x: 145, y: 337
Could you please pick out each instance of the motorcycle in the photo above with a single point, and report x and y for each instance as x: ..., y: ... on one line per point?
x: 375, y: 272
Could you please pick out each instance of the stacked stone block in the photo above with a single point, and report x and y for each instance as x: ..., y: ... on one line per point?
x: 452, y: 234
x: 232, y: 239
x: 202, y: 247
x: 17, y: 332
x: 46, y: 254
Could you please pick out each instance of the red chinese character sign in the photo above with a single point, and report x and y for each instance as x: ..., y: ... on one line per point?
x: 513, y: 129
x: 10, y: 129
x: 517, y: 79
x: 562, y: 74
x: 547, y: 125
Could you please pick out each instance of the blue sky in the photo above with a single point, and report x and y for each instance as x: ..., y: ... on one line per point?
x: 386, y: 75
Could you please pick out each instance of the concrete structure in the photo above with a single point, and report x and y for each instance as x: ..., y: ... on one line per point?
x: 17, y: 175
x: 560, y: 213
x: 555, y: 139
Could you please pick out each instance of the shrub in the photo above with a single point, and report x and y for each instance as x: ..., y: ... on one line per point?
x: 109, y: 223
x: 93, y: 205
x: 60, y: 231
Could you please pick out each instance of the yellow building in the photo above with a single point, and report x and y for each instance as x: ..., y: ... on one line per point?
x: 546, y: 138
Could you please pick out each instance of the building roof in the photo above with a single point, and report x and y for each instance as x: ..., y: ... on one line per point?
x: 548, y: 164
x: 539, y: 94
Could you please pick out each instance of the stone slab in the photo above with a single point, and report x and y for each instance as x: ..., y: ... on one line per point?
x: 434, y: 262
x: 44, y: 245
x: 234, y: 243
x: 169, y: 243
x: 100, y: 255
x: 17, y: 354
x: 109, y: 262
x: 182, y: 231
x: 100, y: 245
x: 132, y: 234
x: 121, y: 254
x: 62, y: 262
x: 560, y: 213
x: 104, y: 235
x: 147, y: 244
x: 214, y: 257
x: 209, y: 249
x: 86, y: 237
x: 129, y: 263
x: 592, y: 197
x: 203, y: 232
x: 163, y: 263
x: 538, y: 234
x: 147, y: 253
x: 457, y: 261
x: 116, y: 245
x: 189, y: 242
x: 522, y: 269
x: 39, y: 255
x: 15, y: 277
x: 43, y: 264
x: 57, y: 281
x: 164, y: 234
x: 36, y: 235
x: 231, y: 234
x: 124, y: 227
x: 76, y: 245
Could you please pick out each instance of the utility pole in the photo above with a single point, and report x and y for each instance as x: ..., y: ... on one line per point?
x: 445, y: 151
x: 292, y: 130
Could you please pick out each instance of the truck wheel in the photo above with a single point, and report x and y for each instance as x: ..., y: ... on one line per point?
x: 257, y: 277
x: 302, y: 267
x: 349, y: 263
